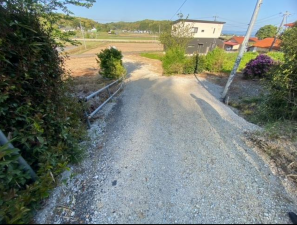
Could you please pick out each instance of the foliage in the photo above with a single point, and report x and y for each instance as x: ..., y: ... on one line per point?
x: 194, y: 64
x: 179, y: 37
x: 215, y: 60
x: 111, y: 65
x: 153, y: 26
x: 281, y: 102
x: 266, y: 32
x: 173, y: 61
x: 36, y: 108
x: 258, y: 67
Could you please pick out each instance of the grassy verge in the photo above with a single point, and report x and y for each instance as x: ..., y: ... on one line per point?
x: 153, y: 55
x: 277, y: 141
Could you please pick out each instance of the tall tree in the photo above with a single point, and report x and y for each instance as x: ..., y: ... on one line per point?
x: 266, y: 32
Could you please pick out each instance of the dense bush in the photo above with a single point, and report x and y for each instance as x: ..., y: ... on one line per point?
x: 174, y: 60
x: 215, y: 60
x: 258, y: 67
x: 281, y: 102
x: 194, y: 64
x: 36, y: 109
x: 111, y: 65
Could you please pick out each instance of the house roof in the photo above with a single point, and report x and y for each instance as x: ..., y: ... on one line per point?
x: 255, y: 39
x: 289, y: 25
x: 230, y: 43
x: 239, y: 40
x: 198, y: 21
x: 267, y: 42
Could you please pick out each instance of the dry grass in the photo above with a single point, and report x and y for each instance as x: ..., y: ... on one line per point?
x: 280, y: 153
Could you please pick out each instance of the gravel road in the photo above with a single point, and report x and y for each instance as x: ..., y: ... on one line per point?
x: 175, y: 154
x: 170, y: 153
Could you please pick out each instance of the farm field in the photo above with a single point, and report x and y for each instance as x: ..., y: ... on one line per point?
x: 84, y: 68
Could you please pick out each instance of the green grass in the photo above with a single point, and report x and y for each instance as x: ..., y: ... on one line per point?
x: 153, y: 55
x: 250, y: 109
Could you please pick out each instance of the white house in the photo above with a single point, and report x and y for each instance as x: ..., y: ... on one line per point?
x: 205, y: 34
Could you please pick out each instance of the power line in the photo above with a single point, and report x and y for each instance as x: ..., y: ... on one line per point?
x: 179, y: 9
x: 268, y: 17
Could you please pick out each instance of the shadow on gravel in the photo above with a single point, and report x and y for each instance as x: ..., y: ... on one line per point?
x: 213, y: 89
x: 131, y: 67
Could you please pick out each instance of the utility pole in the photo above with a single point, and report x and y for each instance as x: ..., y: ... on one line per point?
x: 159, y: 30
x: 242, y: 50
x: 215, y: 18
x: 279, y: 29
x: 82, y: 32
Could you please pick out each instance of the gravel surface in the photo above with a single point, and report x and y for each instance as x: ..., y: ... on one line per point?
x: 174, y: 154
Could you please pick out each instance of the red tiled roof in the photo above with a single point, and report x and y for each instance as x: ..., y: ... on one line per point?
x: 239, y: 40
x: 289, y: 25
x: 255, y: 39
x: 230, y: 43
x: 267, y: 42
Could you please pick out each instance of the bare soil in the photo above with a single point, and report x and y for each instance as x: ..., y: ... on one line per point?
x: 84, y: 67
x: 240, y: 87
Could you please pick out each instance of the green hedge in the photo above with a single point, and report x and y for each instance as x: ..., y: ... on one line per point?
x: 173, y: 61
x: 36, y: 108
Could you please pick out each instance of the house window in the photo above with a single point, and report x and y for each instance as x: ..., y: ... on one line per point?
x: 195, y: 30
x: 202, y: 31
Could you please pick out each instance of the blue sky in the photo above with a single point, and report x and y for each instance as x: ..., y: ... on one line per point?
x: 236, y: 14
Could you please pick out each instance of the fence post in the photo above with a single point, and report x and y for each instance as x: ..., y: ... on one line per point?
x: 21, y: 160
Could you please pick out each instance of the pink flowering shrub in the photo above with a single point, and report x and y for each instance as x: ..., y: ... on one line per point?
x: 258, y: 67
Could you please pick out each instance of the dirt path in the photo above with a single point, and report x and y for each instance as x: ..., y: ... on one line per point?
x: 175, y: 154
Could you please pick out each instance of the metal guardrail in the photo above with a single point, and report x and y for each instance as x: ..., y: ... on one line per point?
x: 93, y: 95
x: 22, y: 162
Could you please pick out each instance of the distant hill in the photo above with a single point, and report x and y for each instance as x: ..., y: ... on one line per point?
x: 145, y: 25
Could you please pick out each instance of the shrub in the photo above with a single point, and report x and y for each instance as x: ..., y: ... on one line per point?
x: 215, y: 60
x: 258, y: 67
x: 194, y: 64
x: 281, y: 102
x: 111, y: 65
x: 173, y: 61
x: 36, y: 108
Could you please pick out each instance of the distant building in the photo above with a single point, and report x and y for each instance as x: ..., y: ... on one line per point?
x: 288, y: 25
x: 205, y: 35
x: 264, y: 45
x: 235, y: 42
